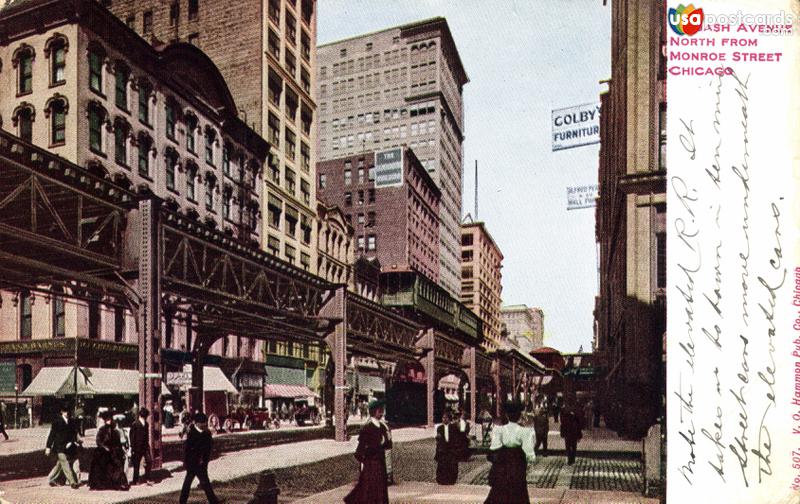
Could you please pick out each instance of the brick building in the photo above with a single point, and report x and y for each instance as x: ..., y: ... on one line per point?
x: 84, y: 86
x: 397, y: 223
x: 401, y: 86
x: 481, y: 288
x: 266, y: 51
x: 630, y: 310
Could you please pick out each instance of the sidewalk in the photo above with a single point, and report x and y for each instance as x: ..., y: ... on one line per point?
x: 431, y: 493
x: 227, y: 467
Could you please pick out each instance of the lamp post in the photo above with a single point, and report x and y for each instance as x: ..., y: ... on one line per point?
x: 16, y: 406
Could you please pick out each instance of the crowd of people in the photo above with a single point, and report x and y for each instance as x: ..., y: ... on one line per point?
x: 512, y: 448
x: 117, y: 452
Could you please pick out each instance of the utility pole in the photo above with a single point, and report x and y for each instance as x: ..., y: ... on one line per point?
x: 476, y: 190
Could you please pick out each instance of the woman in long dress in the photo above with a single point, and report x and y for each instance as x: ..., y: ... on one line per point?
x: 373, y: 441
x: 107, y: 469
x: 447, y: 451
x: 510, y: 452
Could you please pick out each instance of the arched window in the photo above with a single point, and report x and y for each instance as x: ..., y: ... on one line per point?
x: 122, y: 75
x: 211, y: 136
x: 22, y: 60
x: 121, y: 132
x: 191, y: 181
x: 145, y: 92
x: 170, y: 165
x: 23, y: 117
x: 97, y: 56
x: 191, y: 132
x: 56, y: 109
x: 211, y: 184
x: 97, y: 116
x: 56, y: 49
x: 145, y: 144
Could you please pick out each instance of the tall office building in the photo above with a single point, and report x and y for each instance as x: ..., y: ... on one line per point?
x: 481, y: 287
x: 266, y: 51
x: 631, y: 222
x: 400, y: 86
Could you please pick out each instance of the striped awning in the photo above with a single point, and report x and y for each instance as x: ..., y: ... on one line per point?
x: 274, y: 390
x: 60, y: 381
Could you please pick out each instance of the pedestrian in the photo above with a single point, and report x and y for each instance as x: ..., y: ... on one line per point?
x: 2, y: 420
x: 571, y: 426
x: 80, y: 418
x: 541, y: 426
x: 510, y: 452
x: 140, y: 446
x: 197, y: 454
x: 62, y: 441
x: 373, y: 441
x: 462, y: 430
x: 447, y: 451
x: 107, y: 471
x: 588, y: 414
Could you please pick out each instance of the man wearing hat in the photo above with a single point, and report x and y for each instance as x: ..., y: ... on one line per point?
x: 60, y: 441
x: 197, y: 454
x: 373, y: 441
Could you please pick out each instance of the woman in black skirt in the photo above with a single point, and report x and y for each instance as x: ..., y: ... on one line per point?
x: 510, y: 452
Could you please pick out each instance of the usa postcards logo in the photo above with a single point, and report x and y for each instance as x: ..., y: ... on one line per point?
x: 685, y: 20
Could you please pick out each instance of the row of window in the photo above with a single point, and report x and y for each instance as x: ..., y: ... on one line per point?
x: 25, y: 300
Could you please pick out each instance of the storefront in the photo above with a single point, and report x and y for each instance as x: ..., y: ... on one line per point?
x: 113, y: 389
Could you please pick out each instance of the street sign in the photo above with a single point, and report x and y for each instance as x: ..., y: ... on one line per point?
x: 582, y: 196
x: 8, y: 376
x: 576, y: 126
x: 179, y: 378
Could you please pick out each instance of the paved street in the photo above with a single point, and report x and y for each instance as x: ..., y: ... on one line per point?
x: 306, y: 469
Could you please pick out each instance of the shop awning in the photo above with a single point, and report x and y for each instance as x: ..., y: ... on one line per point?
x: 60, y: 381
x: 274, y: 390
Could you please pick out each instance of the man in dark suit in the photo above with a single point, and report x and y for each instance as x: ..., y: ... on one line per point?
x: 196, y: 457
x: 140, y: 446
x: 448, y: 451
x: 62, y: 442
x: 2, y: 420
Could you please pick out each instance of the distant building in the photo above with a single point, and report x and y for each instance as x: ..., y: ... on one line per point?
x: 396, y: 223
x: 400, y: 86
x: 481, y: 288
x: 630, y: 312
x: 525, y: 326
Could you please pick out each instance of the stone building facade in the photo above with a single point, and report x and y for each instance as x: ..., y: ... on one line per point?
x: 266, y: 51
x: 524, y: 325
x: 481, y: 276
x: 630, y: 312
x: 84, y: 86
x: 336, y: 249
x: 401, y: 86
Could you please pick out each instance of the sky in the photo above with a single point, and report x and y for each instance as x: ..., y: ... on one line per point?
x: 523, y: 58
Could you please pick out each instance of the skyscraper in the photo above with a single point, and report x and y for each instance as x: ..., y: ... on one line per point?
x: 400, y: 86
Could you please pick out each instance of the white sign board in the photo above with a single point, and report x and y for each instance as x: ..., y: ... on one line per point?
x: 389, y: 168
x: 733, y: 273
x: 582, y: 196
x: 576, y: 126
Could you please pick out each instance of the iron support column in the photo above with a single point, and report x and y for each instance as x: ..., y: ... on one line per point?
x: 338, y: 345
x: 472, y: 375
x: 150, y: 322
x: 429, y: 365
